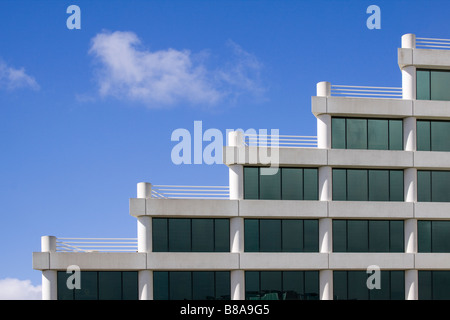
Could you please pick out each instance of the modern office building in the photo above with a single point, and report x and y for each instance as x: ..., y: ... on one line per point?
x: 363, y: 214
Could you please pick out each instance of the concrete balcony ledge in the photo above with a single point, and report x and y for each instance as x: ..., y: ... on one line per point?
x: 371, y: 210
x: 192, y: 261
x: 370, y: 158
x: 423, y: 58
x: 282, y: 208
x: 283, y: 261
x: 432, y: 210
x: 432, y: 261
x: 430, y: 160
x: 352, y: 261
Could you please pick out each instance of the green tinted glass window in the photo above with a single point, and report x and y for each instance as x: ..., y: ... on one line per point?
x: 433, y: 285
x: 423, y: 186
x: 270, y: 235
x: 251, y: 235
x: 88, y: 288
x: 396, y: 183
x: 223, y: 288
x: 356, y: 133
x: 440, y: 135
x: 202, y: 235
x: 378, y: 134
x: 251, y: 183
x: 129, y: 285
x: 292, y: 237
x: 425, y: 285
x: 357, y: 186
x: 160, y: 235
x: 379, y: 236
x: 357, y: 288
x: 311, y: 235
x: 357, y: 236
x: 339, y: 235
x: 423, y: 84
x: 440, y: 186
x: 440, y: 85
x: 179, y: 235
x: 440, y: 231
x: 203, y: 285
x: 110, y: 285
x: 64, y: 293
x: 311, y: 184
x: 338, y: 136
x: 221, y: 235
x: 395, y: 134
x: 339, y: 184
x: 378, y: 181
x: 396, y: 236
x: 292, y: 184
x: 424, y: 236
x: 270, y: 184
x: 423, y: 135
x: 180, y: 285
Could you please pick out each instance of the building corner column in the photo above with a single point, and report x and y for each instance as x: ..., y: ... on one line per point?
x: 49, y: 277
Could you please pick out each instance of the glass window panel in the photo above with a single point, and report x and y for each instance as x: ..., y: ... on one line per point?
x: 357, y: 185
x: 356, y: 133
x: 378, y: 185
x: 395, y: 134
x: 310, y: 184
x: 423, y: 135
x: 64, y: 293
x: 425, y: 285
x: 252, y: 289
x: 378, y: 134
x: 357, y: 285
x: 357, y: 236
x: 251, y: 235
x: 222, y: 235
x: 396, y: 236
x: 423, y: 186
x: 440, y: 186
x: 311, y: 235
x: 270, y: 184
x: 339, y: 184
x: 160, y: 285
x: 202, y: 235
x: 440, y: 136
x: 292, y: 183
x: 378, y: 236
x: 270, y: 235
x: 441, y: 285
x: 130, y: 285
x: 292, y: 235
x: 179, y: 235
x: 340, y: 285
x: 424, y: 236
x: 109, y: 285
x: 270, y: 285
x: 339, y: 235
x: 338, y: 133
x: 311, y: 285
x: 89, y: 290
x: 397, y: 285
x: 383, y: 293
x: 251, y: 183
x: 203, y: 285
x: 180, y: 285
x: 293, y: 285
x: 223, y: 289
x: 423, y: 85
x: 440, y: 232
x: 440, y: 85
x: 160, y: 235
x: 396, y: 182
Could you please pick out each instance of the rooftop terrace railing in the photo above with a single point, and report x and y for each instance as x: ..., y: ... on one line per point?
x: 287, y: 141
x: 96, y: 244
x: 189, y: 192
x: 366, y: 91
x: 433, y: 43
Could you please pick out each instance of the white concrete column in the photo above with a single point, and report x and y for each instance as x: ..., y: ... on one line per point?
x: 237, y: 281
x: 326, y: 284
x: 323, y: 89
x: 49, y: 277
x: 325, y: 183
x: 144, y: 233
x: 144, y: 190
x: 410, y: 182
x: 145, y: 284
x: 325, y: 235
x: 236, y: 181
x: 409, y: 41
x: 410, y: 134
x: 410, y: 236
x: 237, y: 235
x: 409, y: 82
x: 324, y: 131
x: 411, y: 285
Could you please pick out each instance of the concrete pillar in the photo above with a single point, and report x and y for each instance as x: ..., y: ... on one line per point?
x: 410, y: 134
x: 49, y: 277
x: 236, y: 181
x: 324, y: 131
x: 411, y: 235
x: 410, y: 181
x: 237, y: 281
x: 409, y: 41
x: 145, y: 284
x: 323, y: 89
x: 237, y: 235
x: 411, y: 285
x: 325, y: 235
x: 144, y: 190
x: 409, y: 82
x: 144, y: 233
x: 325, y: 183
x: 326, y: 284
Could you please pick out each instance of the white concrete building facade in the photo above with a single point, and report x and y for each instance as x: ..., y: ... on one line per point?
x: 372, y: 196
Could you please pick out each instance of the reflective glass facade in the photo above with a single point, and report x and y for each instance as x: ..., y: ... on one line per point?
x: 433, y: 186
x: 433, y: 236
x: 281, y: 184
x: 191, y: 285
x: 367, y: 185
x: 281, y: 235
x: 434, y: 285
x: 433, y: 85
x: 282, y: 285
x: 191, y: 235
x: 100, y: 285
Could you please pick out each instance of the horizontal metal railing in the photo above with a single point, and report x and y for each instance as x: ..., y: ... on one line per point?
x: 432, y: 43
x: 366, y: 91
x: 290, y: 141
x: 190, y: 192
x: 96, y: 244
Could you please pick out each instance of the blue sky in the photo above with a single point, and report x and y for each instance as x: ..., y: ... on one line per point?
x: 87, y: 114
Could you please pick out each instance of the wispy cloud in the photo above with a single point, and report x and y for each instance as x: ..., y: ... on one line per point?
x: 166, y: 77
x: 15, y: 289
x: 12, y: 78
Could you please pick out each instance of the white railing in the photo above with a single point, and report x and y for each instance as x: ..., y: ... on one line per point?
x: 190, y: 192
x: 96, y: 244
x: 365, y: 91
x: 432, y: 43
x: 288, y: 141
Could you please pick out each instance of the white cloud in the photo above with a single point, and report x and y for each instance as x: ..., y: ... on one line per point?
x: 165, y: 77
x: 11, y: 78
x: 15, y: 289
